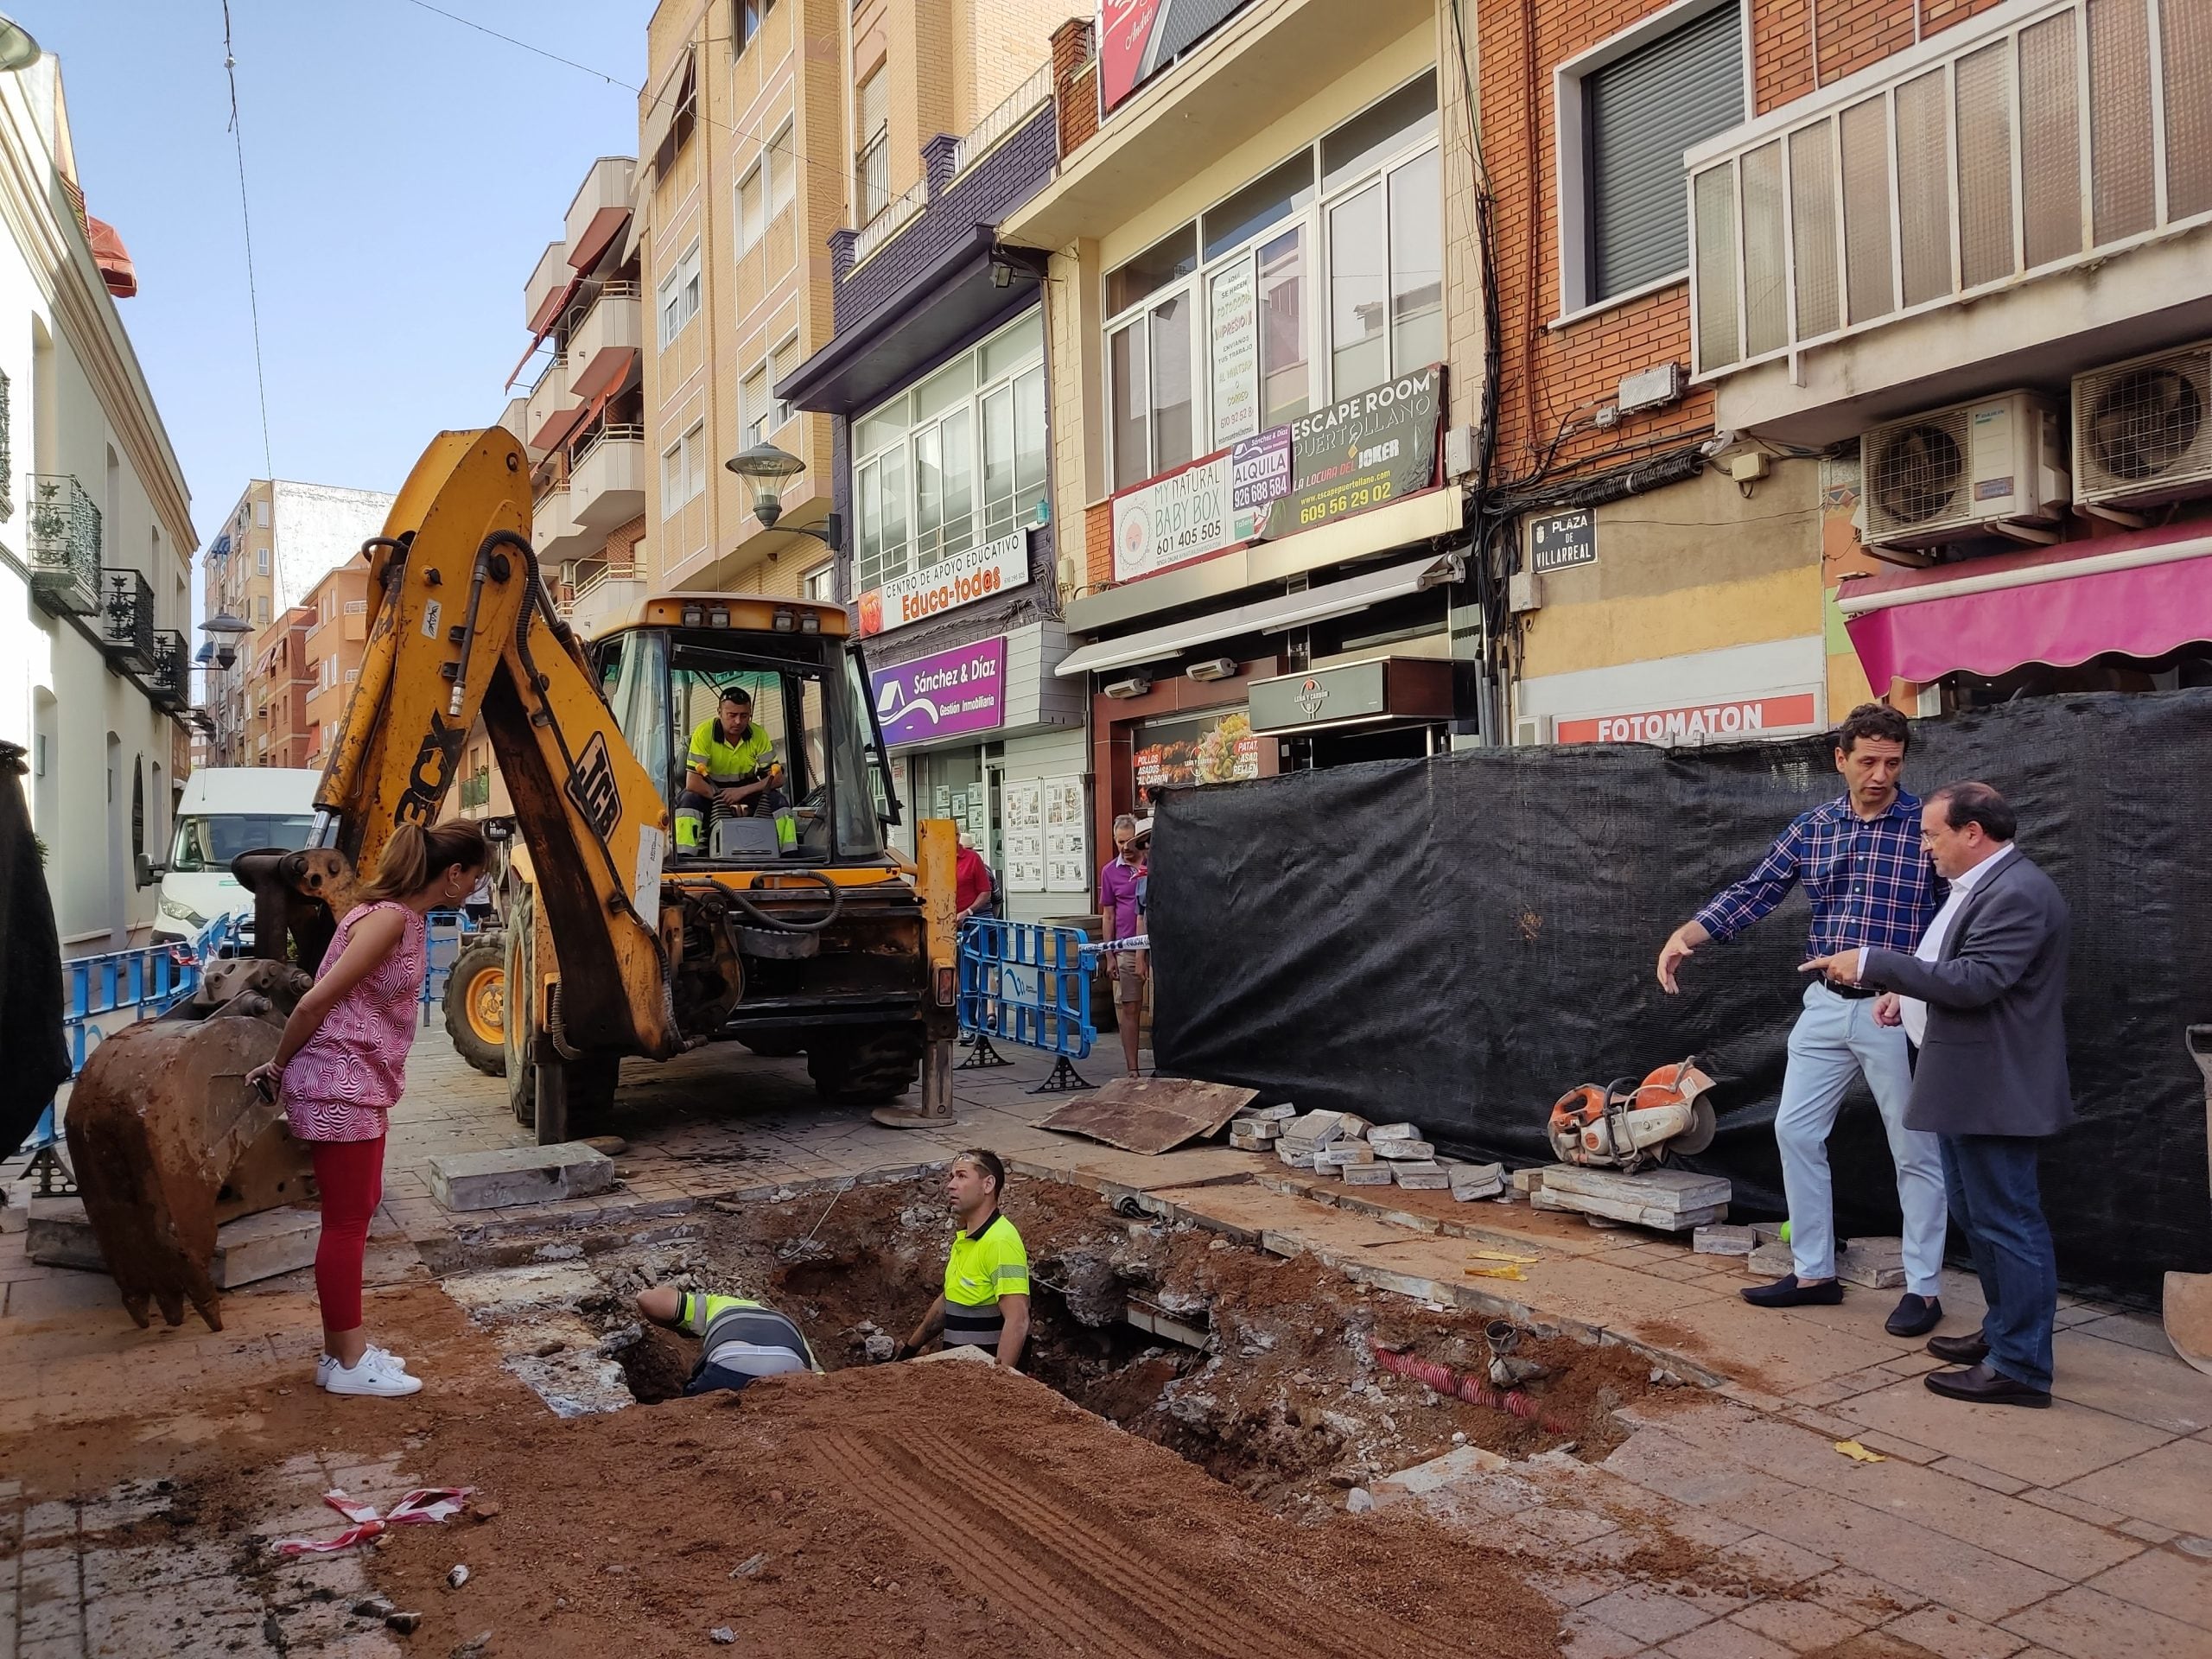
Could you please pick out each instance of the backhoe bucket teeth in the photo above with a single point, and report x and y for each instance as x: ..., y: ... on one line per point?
x: 169, y: 1141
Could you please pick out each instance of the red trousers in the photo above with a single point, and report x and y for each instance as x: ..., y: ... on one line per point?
x: 351, y: 1175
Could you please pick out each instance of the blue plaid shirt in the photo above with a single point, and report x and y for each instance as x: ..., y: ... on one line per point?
x: 1870, y: 879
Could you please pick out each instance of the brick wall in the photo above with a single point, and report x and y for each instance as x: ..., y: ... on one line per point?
x: 1075, y: 83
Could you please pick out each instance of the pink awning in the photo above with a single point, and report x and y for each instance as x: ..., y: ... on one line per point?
x: 2141, y: 595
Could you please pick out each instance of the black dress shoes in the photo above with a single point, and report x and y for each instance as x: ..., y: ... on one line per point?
x: 1960, y: 1351
x: 1786, y: 1292
x: 1985, y: 1386
x: 1915, y: 1316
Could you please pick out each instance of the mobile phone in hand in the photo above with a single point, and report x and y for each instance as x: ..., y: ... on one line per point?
x: 266, y: 1088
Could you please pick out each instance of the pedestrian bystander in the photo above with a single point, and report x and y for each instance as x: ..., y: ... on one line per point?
x: 1982, y: 999
x: 1119, y: 882
x: 1859, y: 859
x: 342, y: 1063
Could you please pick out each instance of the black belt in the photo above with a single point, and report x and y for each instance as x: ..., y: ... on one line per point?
x: 1853, y: 993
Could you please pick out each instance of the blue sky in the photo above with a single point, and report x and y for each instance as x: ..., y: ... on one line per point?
x: 403, y: 172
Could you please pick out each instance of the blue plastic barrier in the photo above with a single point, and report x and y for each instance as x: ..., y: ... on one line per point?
x: 1028, y: 983
x: 445, y: 935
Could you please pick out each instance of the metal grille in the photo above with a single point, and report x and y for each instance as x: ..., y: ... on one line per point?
x: 2185, y: 28
x: 2050, y: 141
x: 1766, y: 296
x: 2123, y: 190
x: 1917, y: 474
x: 1924, y: 186
x: 1716, y: 294
x: 1985, y: 122
x: 1812, y: 190
x: 1867, y: 277
x: 2145, y: 421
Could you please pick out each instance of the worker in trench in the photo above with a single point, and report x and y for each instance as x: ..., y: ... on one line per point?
x: 740, y: 1340
x: 986, y: 1298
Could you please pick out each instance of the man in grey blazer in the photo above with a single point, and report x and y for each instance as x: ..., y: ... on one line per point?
x: 1983, y: 999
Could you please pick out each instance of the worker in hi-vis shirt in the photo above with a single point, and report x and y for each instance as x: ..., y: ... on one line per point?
x: 986, y: 1300
x: 731, y: 765
x: 740, y: 1340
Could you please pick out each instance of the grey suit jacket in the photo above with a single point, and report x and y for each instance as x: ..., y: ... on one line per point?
x: 1994, y: 1062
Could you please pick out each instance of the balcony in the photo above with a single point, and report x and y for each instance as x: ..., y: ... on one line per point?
x: 606, y: 340
x: 603, y: 597
x: 64, y: 544
x: 2040, y: 175
x: 169, y: 684
x: 554, y: 530
x: 127, y: 634
x: 1004, y: 119
x: 888, y: 223
x: 606, y: 481
x: 552, y: 411
x: 516, y: 419
x: 600, y: 211
x: 546, y: 291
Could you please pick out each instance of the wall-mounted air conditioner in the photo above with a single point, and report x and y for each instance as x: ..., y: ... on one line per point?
x: 1528, y: 729
x: 2143, y: 430
x: 1996, y: 466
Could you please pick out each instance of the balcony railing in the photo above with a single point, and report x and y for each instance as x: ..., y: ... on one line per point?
x: 2035, y: 138
x: 64, y: 541
x: 476, y: 790
x: 888, y: 223
x: 1011, y: 112
x: 612, y: 571
x: 128, y: 634
x: 168, y: 684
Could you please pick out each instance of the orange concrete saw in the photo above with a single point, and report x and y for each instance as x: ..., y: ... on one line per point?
x: 1625, y: 1124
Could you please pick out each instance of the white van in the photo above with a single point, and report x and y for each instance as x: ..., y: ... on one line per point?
x: 226, y: 810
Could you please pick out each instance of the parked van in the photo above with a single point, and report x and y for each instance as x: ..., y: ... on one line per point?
x: 226, y: 810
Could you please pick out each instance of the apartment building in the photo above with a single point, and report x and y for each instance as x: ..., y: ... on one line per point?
x: 1257, y: 351
x: 337, y: 632
x: 1899, y: 305
x: 582, y: 422
x: 95, y: 539
x: 278, y: 681
x: 278, y: 543
x: 742, y: 137
x: 934, y: 377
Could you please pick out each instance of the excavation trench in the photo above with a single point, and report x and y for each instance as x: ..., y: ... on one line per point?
x: 1259, y: 1370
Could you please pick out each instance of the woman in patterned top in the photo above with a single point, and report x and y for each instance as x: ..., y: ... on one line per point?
x: 341, y: 1065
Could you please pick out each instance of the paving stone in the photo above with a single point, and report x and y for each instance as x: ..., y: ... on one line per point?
x: 510, y: 1175
x: 2171, y: 1486
x: 2130, y: 1330
x: 2086, y: 1624
x: 1367, y: 1174
x: 1382, y: 1132
x: 1342, y: 1152
x: 1407, y: 1151
x: 1426, y: 1175
x: 2132, y: 1382
x: 1856, y: 1595
x: 2045, y: 1448
x: 1770, y: 1260
x: 1723, y: 1639
x: 1950, y: 1635
x: 1961, y: 1469
x: 1584, y: 1637
x: 2166, y: 1581
x: 1254, y: 1137
x: 1647, y: 1614
x: 1720, y: 1239
x: 1873, y: 1263
x: 1800, y: 1626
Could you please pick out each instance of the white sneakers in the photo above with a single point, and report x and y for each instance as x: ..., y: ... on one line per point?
x: 376, y: 1372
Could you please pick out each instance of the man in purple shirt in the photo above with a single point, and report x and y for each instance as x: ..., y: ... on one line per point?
x: 1118, y: 880
x: 1861, y: 861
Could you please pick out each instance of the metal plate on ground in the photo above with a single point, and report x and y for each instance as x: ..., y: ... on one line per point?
x: 1151, y: 1115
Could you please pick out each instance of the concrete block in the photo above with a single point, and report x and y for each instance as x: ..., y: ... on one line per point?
x: 1528, y: 1180
x: 1472, y: 1181
x: 254, y: 1248
x: 1372, y: 1173
x: 1426, y: 1175
x: 1292, y: 1156
x: 1720, y: 1239
x: 1420, y: 1152
x: 1252, y: 1135
x: 1313, y: 1130
x: 510, y: 1175
x: 1770, y: 1260
x: 1266, y: 1114
x: 1382, y: 1132
x: 1343, y: 1152
x: 1661, y: 1188
x: 57, y: 1234
x: 1626, y: 1211
x: 14, y: 1217
x: 1874, y: 1263
x: 1355, y: 1126
x: 1461, y: 1463
x: 1768, y: 1232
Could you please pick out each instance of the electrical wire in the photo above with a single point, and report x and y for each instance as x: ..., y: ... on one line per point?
x: 246, y: 219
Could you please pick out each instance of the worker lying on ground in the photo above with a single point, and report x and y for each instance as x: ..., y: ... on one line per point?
x: 986, y: 1300
x: 738, y: 1340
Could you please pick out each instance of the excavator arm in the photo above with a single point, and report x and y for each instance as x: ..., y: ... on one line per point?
x: 463, y: 626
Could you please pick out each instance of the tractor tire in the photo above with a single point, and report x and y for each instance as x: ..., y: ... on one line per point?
x: 865, y: 1065
x: 475, y: 1005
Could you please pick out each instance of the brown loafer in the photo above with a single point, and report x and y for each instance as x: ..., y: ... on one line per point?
x: 1960, y: 1351
x: 1982, y: 1386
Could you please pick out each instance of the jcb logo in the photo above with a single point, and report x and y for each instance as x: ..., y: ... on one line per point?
x: 591, y: 787
x: 426, y: 784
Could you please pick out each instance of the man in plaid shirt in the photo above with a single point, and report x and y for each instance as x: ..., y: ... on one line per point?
x: 1861, y: 861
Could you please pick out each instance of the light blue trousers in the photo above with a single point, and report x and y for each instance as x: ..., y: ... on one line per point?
x: 1835, y: 1039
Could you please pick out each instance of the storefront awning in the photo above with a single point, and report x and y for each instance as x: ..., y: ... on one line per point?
x: 2141, y: 596
x: 1266, y: 615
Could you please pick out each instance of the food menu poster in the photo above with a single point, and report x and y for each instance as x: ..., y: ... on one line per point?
x: 1209, y: 749
x: 1067, y: 861
x: 1022, y: 805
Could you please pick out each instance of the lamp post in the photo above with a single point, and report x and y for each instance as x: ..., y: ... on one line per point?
x: 17, y: 49
x: 768, y: 467
x: 224, y: 631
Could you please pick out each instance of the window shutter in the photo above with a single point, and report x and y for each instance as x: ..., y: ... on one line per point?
x: 875, y: 105
x: 1643, y: 112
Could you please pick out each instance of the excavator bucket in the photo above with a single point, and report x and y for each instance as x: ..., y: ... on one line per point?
x: 169, y: 1141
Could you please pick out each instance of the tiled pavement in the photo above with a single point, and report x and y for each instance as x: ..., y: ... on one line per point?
x: 1984, y: 1533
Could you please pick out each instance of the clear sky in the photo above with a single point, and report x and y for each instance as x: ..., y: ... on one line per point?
x: 404, y: 173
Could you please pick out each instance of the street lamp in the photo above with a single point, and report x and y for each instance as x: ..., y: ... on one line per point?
x: 223, y: 631
x: 768, y: 467
x: 17, y: 49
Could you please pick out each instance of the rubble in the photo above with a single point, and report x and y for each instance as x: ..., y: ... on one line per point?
x: 1472, y: 1181
x: 1413, y: 1150
x: 1424, y: 1175
x: 1717, y: 1238
x: 1343, y: 1152
x: 1872, y: 1263
x: 1367, y: 1174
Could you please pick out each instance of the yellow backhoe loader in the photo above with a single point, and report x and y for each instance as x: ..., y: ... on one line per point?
x: 806, y: 934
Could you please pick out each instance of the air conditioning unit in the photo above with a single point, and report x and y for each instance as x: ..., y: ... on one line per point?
x: 1530, y: 730
x: 2143, y: 430
x: 1993, y: 468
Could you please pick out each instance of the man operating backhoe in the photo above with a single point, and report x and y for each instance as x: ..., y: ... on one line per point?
x: 729, y: 766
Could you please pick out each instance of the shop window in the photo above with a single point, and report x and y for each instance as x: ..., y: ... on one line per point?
x: 1202, y: 350
x: 956, y: 461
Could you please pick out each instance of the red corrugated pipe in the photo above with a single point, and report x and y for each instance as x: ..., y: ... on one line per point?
x: 1445, y: 1381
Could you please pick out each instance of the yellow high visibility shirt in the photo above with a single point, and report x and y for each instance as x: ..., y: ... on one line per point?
x: 721, y: 763
x: 991, y: 1263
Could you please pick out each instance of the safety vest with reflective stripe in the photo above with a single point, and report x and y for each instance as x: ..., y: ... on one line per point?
x: 982, y: 1269
x: 746, y: 1337
x: 723, y: 763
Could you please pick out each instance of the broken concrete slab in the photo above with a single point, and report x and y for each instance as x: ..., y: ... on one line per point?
x: 1770, y: 1260
x: 1371, y: 1173
x: 1313, y: 1131
x: 1720, y: 1239
x: 1426, y: 1174
x: 1342, y: 1152
x: 1471, y: 1181
x: 1150, y: 1115
x: 57, y: 1234
x: 247, y: 1250
x: 510, y: 1175
x: 1874, y: 1263
x: 1382, y: 1132
x: 1421, y: 1152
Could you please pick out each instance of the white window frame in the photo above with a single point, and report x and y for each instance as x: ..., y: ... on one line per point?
x: 753, y: 427
x: 779, y: 412
x: 685, y: 481
x: 261, y: 561
x: 750, y: 230
x: 820, y: 583
x: 678, y: 290
x: 1570, y: 160
x: 863, y: 462
x: 1312, y: 220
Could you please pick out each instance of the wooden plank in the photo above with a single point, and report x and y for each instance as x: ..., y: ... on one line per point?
x: 1151, y: 1115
